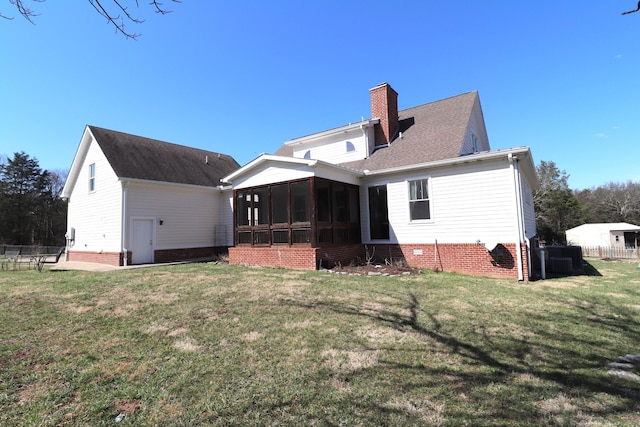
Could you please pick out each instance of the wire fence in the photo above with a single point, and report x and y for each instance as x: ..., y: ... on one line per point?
x: 29, y: 249
x: 611, y: 253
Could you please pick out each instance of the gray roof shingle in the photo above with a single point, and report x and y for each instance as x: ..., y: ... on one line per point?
x: 137, y: 157
x: 430, y: 132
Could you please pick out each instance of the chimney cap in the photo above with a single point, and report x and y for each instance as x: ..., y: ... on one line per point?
x: 380, y: 85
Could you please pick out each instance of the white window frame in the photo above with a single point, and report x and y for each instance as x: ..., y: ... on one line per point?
x: 428, y: 199
x: 92, y: 178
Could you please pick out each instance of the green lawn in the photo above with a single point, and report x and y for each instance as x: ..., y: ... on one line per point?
x: 227, y: 345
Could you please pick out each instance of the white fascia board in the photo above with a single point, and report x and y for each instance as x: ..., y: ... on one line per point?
x: 212, y: 187
x: 76, y: 165
x: 324, y: 134
x: 266, y: 158
x: 477, y: 157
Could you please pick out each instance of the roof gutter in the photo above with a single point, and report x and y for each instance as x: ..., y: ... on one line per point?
x: 489, y: 155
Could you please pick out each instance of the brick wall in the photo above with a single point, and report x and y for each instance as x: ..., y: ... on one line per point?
x: 169, y: 255
x: 109, y: 258
x: 331, y: 256
x: 469, y: 258
x: 299, y: 258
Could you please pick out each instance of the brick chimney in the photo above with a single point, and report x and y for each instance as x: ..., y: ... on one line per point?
x: 384, y: 106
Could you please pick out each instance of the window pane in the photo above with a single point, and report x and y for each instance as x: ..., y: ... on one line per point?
x: 419, y: 199
x: 420, y: 210
x: 92, y: 177
x: 281, y: 236
x: 325, y: 235
x: 322, y: 200
x: 301, y: 235
x: 354, y: 212
x: 378, y: 212
x: 261, y: 237
x: 354, y: 235
x: 341, y: 235
x: 244, y: 237
x: 243, y: 207
x: 339, y: 203
x: 261, y: 206
x: 300, y: 201
x: 279, y: 203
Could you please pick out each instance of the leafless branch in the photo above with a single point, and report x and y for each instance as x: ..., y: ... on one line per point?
x: 23, y: 9
x: 118, y: 14
x: 632, y: 11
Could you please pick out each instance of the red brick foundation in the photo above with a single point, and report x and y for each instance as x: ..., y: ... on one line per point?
x: 109, y: 258
x: 164, y: 255
x: 465, y: 258
x: 170, y: 255
x: 296, y: 257
x: 469, y: 258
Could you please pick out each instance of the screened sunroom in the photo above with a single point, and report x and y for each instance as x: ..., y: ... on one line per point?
x: 312, y: 212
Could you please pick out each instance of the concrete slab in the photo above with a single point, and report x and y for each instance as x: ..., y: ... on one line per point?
x: 63, y: 265
x: 85, y: 266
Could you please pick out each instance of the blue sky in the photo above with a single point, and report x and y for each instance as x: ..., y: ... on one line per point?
x: 242, y: 77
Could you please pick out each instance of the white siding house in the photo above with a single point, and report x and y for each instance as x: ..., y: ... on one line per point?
x: 134, y: 200
x: 419, y: 184
x: 619, y: 235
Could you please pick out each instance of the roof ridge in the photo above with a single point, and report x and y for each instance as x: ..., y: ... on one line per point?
x: 155, y: 140
x: 440, y: 100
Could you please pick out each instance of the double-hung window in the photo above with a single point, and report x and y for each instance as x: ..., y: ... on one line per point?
x: 92, y: 177
x: 419, y: 202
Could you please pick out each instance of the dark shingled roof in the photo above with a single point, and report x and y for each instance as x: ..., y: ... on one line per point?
x: 430, y: 132
x: 137, y: 157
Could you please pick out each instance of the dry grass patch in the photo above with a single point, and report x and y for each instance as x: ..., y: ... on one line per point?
x: 347, y: 361
x: 155, y: 328
x: 30, y: 392
x: 187, y: 344
x: 75, y: 309
x: 426, y: 410
x: 253, y: 336
x: 303, y: 325
x: 507, y: 330
x: 177, y: 332
x: 445, y: 317
x: 339, y: 385
x: 377, y: 335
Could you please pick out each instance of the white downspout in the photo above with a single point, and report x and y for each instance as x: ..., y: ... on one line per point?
x: 513, y: 165
x: 124, y: 222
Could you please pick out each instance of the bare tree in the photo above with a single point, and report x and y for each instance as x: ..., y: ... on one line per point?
x: 632, y: 11
x: 115, y: 11
x: 612, y: 202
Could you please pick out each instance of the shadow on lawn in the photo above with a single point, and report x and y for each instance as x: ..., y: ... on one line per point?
x: 557, y: 361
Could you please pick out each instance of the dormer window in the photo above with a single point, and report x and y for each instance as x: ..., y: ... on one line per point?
x: 350, y: 147
x: 474, y: 143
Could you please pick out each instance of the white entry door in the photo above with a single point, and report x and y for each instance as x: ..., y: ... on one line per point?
x: 142, y: 241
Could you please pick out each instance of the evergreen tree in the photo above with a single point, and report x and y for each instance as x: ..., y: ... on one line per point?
x: 30, y: 210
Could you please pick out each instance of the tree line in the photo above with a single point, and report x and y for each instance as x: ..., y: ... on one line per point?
x: 559, y: 208
x: 31, y: 211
